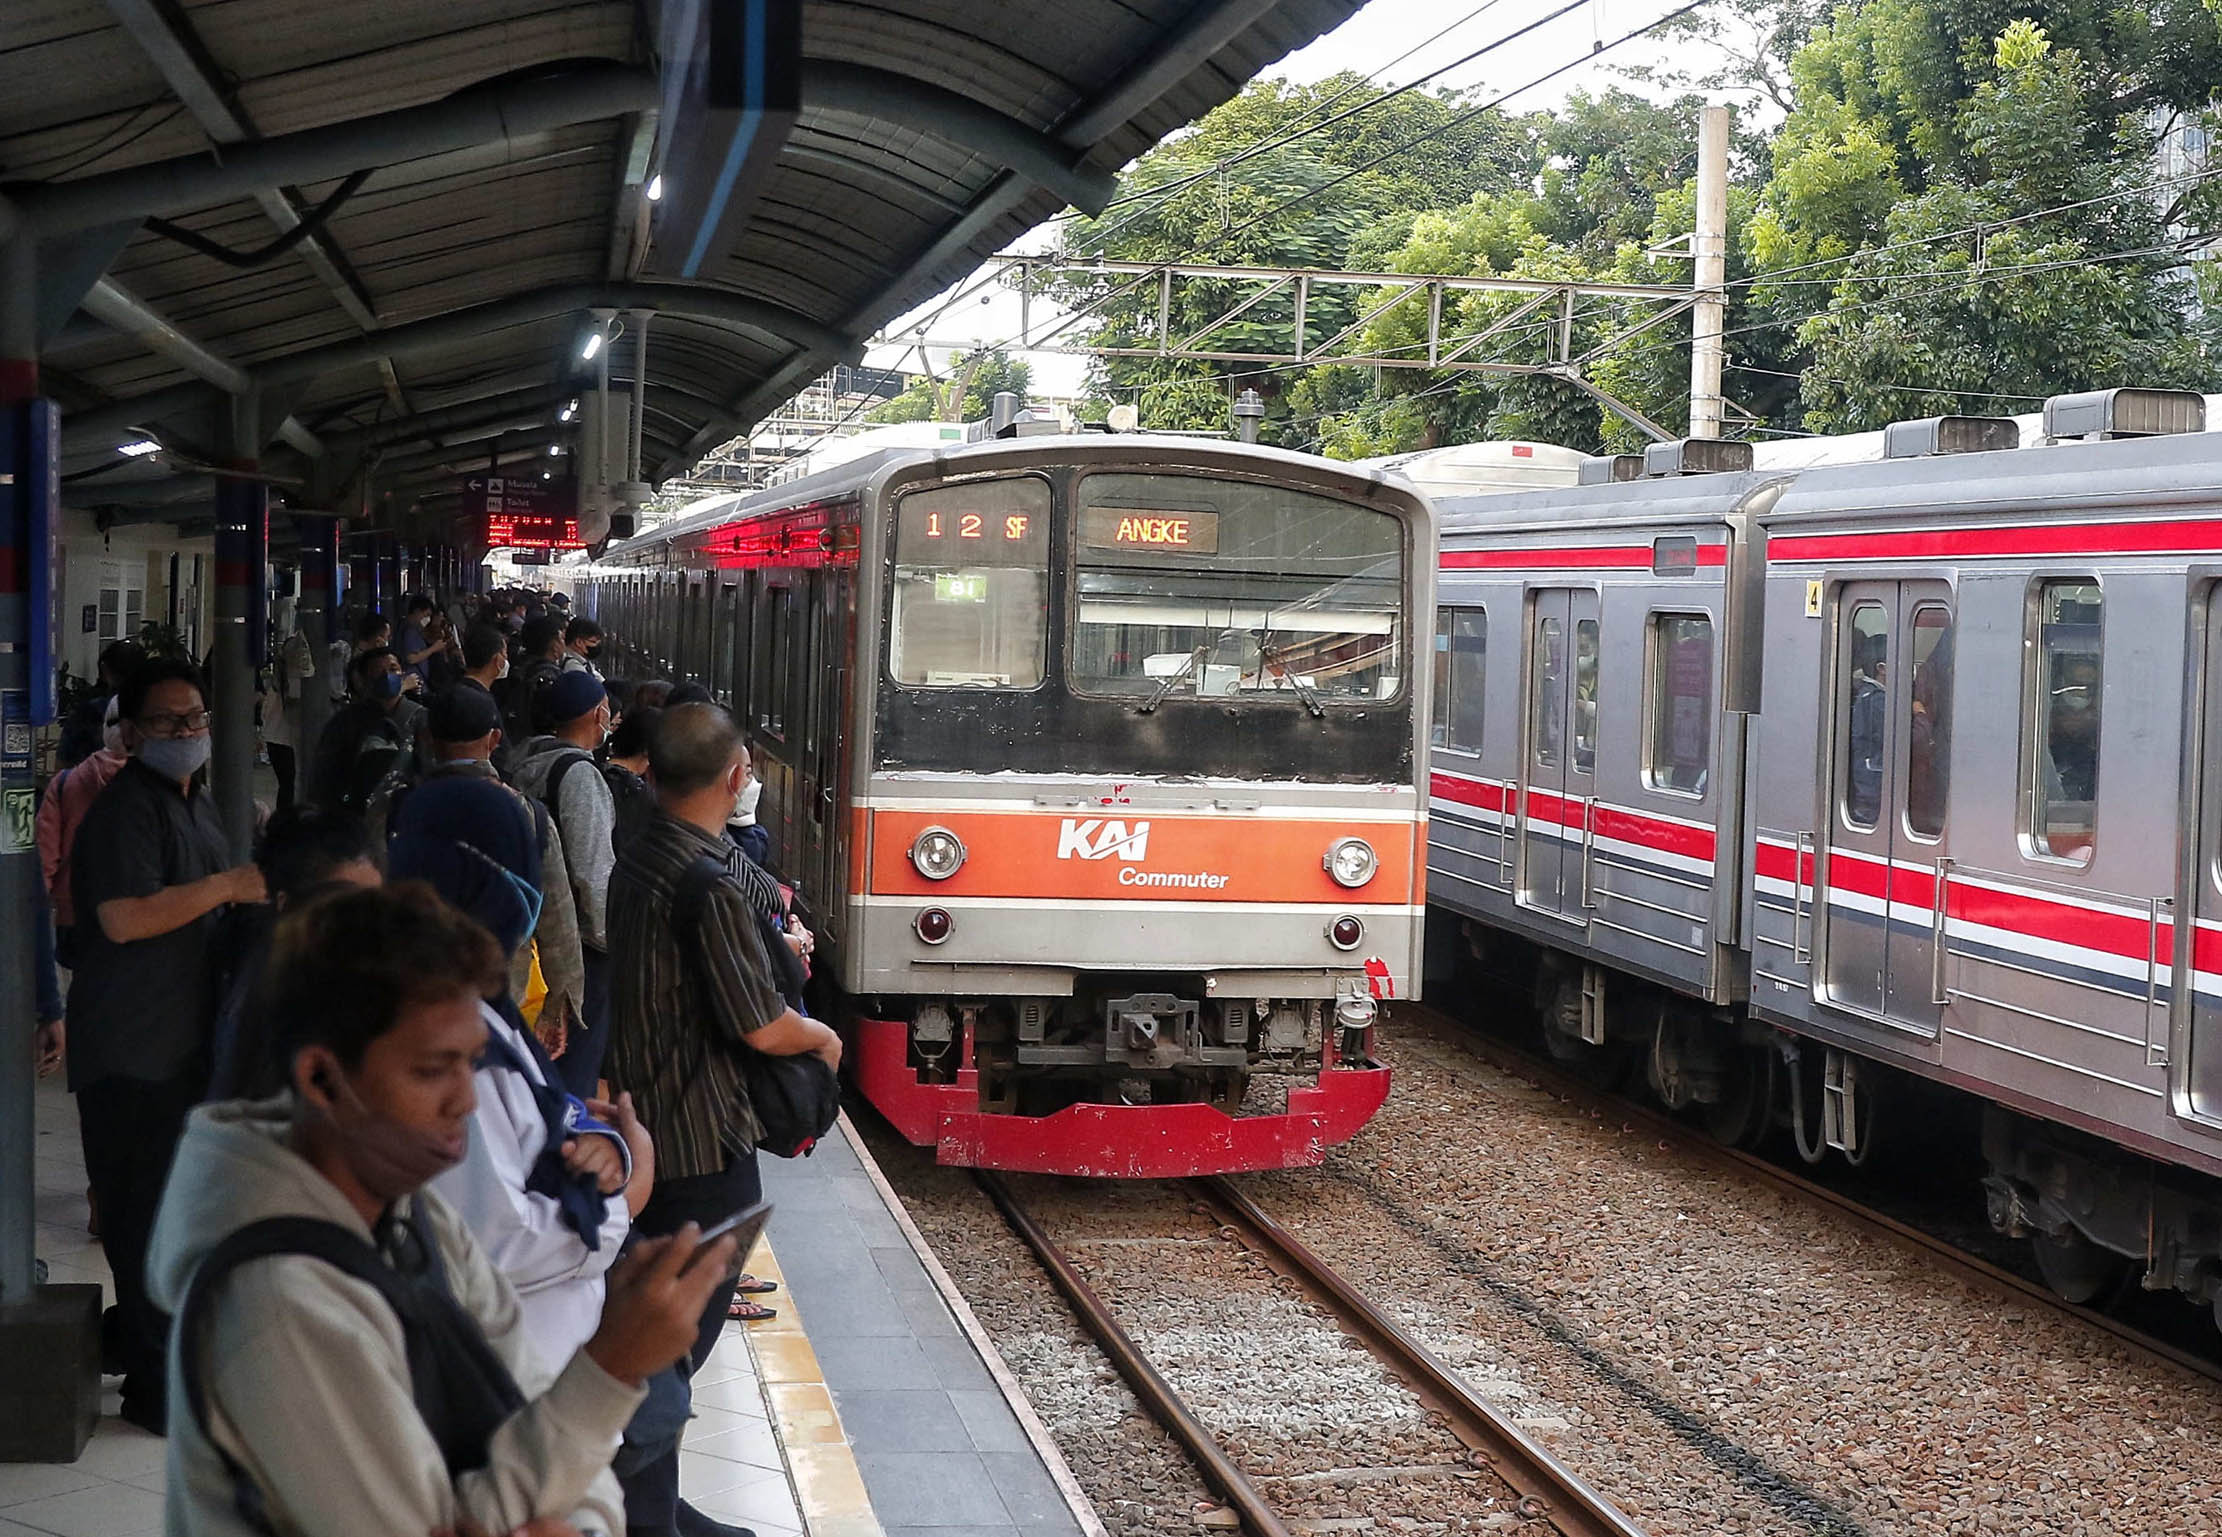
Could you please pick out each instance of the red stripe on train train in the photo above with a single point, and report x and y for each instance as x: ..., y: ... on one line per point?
x: 1587, y: 558
x: 2171, y: 536
x: 1562, y: 811
x: 2073, y: 924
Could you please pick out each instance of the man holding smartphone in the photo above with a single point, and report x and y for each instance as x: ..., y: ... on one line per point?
x: 681, y: 1014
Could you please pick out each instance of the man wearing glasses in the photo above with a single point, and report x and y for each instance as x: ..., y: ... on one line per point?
x: 151, y: 875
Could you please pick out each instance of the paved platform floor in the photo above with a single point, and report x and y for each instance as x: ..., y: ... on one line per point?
x: 863, y: 1410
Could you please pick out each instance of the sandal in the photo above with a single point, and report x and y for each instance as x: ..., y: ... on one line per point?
x: 751, y: 1286
x: 741, y: 1310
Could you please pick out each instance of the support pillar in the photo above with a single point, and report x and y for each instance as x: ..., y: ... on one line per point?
x: 319, y: 617
x: 49, y: 1335
x: 242, y: 619
x: 1709, y: 245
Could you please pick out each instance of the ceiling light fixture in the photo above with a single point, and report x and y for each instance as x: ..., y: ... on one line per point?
x: 656, y: 188
x: 593, y: 346
x: 139, y: 448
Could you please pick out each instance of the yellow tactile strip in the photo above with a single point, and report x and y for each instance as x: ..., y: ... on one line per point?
x: 829, y: 1490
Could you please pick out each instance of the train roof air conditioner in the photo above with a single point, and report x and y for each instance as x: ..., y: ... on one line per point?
x: 1603, y: 469
x: 2124, y: 413
x: 1695, y: 456
x: 1934, y: 435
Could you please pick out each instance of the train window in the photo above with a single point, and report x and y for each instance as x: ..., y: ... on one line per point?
x: 1929, y: 721
x: 1862, y: 696
x: 1679, y: 747
x: 1585, y: 696
x: 1461, y: 655
x: 971, y: 585
x: 2060, y: 721
x: 1550, y: 711
x: 1187, y: 584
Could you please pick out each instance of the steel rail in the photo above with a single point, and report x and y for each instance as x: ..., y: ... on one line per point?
x: 1965, y: 1266
x: 1548, y: 1489
x: 1157, y: 1395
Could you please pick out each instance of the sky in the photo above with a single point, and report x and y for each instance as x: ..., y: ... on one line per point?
x: 1374, y: 42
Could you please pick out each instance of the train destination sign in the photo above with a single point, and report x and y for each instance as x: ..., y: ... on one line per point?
x: 523, y: 514
x: 1150, y: 528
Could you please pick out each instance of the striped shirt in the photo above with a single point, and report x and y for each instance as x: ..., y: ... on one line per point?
x: 677, y: 1021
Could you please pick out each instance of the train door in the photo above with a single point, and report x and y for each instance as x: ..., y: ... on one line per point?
x: 1558, y: 773
x: 829, y: 678
x: 2201, y: 958
x: 1885, y: 851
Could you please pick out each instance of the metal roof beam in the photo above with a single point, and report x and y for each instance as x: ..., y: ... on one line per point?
x: 862, y: 91
x: 693, y: 301
x: 1208, y: 29
x: 166, y: 36
x: 490, y: 113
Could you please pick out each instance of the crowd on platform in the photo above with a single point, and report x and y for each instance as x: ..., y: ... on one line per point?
x: 403, y: 1136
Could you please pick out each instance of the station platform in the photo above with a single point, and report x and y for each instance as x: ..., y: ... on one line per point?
x: 872, y: 1406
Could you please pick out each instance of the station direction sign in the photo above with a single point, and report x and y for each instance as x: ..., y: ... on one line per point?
x: 524, y: 514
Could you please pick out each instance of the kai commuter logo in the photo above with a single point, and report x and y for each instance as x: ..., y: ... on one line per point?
x: 1095, y: 838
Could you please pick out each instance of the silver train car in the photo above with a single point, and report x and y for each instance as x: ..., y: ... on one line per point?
x: 1793, y: 785
x: 1096, y: 759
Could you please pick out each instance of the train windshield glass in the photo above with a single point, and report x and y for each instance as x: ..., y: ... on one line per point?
x: 971, y: 585
x: 1189, y: 585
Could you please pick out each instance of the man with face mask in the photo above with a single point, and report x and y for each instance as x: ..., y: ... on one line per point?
x: 582, y: 647
x: 149, y: 876
x: 360, y: 743
x: 293, y: 666
x: 367, y: 1371
x: 559, y: 770
x: 68, y: 798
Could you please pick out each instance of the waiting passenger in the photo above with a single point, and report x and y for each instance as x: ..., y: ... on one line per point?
x: 85, y: 726
x: 464, y: 728
x: 306, y: 852
x: 151, y: 873
x: 582, y: 647
x: 69, y: 795
x: 683, y: 1010
x: 366, y: 742
x: 560, y: 772
x: 292, y: 669
x: 533, y: 670
x: 368, y: 1373
x: 417, y: 645
x: 626, y: 773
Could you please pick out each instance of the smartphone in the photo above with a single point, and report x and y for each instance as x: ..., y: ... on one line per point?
x: 747, y: 1225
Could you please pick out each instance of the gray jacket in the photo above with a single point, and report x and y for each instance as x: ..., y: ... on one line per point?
x: 308, y: 1374
x: 588, y: 816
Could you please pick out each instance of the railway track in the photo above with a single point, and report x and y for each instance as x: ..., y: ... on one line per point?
x: 1689, y: 1139
x: 1547, y: 1492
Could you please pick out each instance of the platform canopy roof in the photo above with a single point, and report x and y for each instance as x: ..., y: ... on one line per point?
x: 367, y: 237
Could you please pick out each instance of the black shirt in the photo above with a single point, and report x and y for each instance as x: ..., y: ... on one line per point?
x: 143, y: 1010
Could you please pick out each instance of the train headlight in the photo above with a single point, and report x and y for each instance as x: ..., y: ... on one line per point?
x: 937, y: 853
x: 1351, y: 861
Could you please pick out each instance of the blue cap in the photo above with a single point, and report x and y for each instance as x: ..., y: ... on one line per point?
x: 573, y: 694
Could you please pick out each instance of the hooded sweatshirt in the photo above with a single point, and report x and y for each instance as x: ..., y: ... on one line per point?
x: 587, y: 815
x: 308, y: 1377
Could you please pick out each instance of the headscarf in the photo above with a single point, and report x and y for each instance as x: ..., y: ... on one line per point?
x: 478, y: 846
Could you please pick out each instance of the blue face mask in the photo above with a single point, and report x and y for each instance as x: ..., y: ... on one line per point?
x: 386, y: 686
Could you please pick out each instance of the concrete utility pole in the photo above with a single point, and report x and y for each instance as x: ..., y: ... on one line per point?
x: 1709, y: 245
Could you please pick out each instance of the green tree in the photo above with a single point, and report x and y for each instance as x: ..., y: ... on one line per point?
x: 1950, y: 229
x: 965, y: 393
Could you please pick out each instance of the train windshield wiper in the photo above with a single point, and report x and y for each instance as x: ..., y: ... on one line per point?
x: 1270, y: 655
x: 1202, y: 655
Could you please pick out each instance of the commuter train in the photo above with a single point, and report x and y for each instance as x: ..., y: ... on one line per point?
x: 1096, y: 760
x: 1791, y: 786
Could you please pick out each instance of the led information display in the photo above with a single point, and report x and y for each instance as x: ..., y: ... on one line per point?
x: 524, y: 514
x: 1000, y: 524
x: 1145, y: 528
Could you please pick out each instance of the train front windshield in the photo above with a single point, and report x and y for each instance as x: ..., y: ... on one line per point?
x: 1185, y: 585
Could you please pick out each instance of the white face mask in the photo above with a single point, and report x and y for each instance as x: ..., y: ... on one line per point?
x: 744, y: 805
x: 111, y: 730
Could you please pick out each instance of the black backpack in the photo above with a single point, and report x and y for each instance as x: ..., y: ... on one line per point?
x: 635, y: 803
x: 462, y: 1388
x: 796, y: 1099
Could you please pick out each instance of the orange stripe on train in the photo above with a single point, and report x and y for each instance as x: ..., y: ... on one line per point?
x: 1134, y: 854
